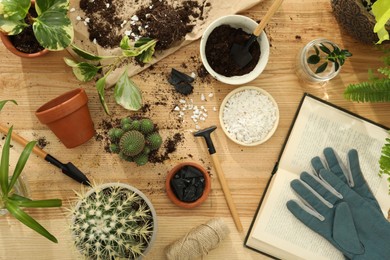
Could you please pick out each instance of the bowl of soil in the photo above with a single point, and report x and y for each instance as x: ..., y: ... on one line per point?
x: 188, y: 185
x: 249, y: 116
x: 217, y: 41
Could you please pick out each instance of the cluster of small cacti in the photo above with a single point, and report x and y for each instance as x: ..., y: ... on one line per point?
x: 134, y: 140
x: 112, y: 223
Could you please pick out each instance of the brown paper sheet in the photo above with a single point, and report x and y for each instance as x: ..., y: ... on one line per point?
x: 216, y: 9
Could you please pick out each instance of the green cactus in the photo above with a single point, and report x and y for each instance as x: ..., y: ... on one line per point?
x: 112, y: 222
x: 134, y: 139
x: 146, y: 126
x: 154, y: 141
x: 132, y: 143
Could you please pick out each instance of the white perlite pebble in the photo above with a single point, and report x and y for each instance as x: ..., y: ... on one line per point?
x: 72, y: 9
x: 249, y: 116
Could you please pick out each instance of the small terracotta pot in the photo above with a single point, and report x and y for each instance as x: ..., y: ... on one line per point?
x: 171, y: 195
x: 68, y: 117
x: 8, y: 44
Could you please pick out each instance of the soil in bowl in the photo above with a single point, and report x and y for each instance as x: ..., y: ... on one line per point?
x: 218, y: 46
x: 188, y: 184
x: 26, y: 41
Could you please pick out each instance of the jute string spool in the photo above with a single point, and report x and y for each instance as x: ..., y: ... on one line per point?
x: 199, y: 241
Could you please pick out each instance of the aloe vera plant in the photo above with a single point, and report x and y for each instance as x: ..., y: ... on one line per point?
x: 52, y: 27
x: 14, y: 202
x: 126, y: 92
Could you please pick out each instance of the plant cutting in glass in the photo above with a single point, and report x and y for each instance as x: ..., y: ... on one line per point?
x: 52, y: 28
x: 126, y: 93
x: 14, y: 202
x: 336, y: 56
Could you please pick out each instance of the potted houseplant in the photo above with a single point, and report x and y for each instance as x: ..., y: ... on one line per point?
x: 126, y: 92
x: 39, y: 23
x: 68, y: 117
x: 320, y: 60
x: 113, y: 221
x: 135, y: 139
x: 365, y: 20
x: 10, y: 199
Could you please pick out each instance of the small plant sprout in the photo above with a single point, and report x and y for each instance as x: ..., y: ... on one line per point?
x: 112, y: 221
x: 126, y: 93
x: 336, y: 56
x: 12, y: 201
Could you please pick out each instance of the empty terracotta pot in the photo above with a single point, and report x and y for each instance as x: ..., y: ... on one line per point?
x: 68, y: 117
x: 170, y: 190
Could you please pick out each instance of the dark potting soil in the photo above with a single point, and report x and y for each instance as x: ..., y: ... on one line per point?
x: 188, y: 184
x: 26, y: 41
x: 218, y: 48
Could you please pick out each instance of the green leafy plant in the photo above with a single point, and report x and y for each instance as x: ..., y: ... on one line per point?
x: 134, y: 140
x: 126, y: 92
x: 336, y: 56
x: 381, y: 11
x: 52, y: 27
x: 12, y: 201
x: 112, y: 221
x: 384, y: 161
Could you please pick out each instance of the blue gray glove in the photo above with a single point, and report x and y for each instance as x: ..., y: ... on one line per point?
x: 349, y: 218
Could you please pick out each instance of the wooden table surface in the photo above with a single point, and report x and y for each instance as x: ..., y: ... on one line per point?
x: 32, y: 82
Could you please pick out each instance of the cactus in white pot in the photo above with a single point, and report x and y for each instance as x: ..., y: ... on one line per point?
x: 113, y: 221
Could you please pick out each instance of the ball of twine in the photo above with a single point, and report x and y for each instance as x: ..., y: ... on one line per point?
x: 199, y: 241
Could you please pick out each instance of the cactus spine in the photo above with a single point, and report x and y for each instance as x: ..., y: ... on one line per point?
x: 111, y: 222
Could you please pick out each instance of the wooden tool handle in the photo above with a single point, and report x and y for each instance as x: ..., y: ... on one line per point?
x: 23, y: 141
x: 271, y: 11
x: 226, y: 191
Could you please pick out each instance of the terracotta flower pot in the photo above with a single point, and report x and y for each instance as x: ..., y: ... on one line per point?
x: 68, y: 117
x: 172, y: 196
x: 8, y: 44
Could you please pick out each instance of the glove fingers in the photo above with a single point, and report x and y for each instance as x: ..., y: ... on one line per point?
x: 310, y: 197
x: 317, y: 165
x: 335, y: 182
x: 334, y: 164
x: 319, y: 186
x: 305, y: 215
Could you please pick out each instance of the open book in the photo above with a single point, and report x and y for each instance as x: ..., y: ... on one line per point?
x: 318, y: 124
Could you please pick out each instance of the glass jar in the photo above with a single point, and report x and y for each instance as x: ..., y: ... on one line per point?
x: 20, y: 188
x: 306, y: 72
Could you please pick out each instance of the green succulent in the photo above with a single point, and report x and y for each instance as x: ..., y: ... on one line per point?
x: 154, y: 140
x: 112, y: 222
x: 132, y: 143
x: 134, y: 140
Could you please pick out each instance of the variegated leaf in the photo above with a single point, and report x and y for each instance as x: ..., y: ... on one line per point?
x: 42, y: 6
x: 14, y: 10
x: 127, y: 94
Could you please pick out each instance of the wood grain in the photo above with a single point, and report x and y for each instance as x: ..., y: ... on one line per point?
x: 247, y: 169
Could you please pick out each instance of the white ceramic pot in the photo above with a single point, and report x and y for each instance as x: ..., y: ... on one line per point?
x: 95, y: 189
x: 248, y: 25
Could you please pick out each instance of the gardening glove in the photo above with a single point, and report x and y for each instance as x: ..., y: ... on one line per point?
x: 351, y: 175
x: 338, y: 213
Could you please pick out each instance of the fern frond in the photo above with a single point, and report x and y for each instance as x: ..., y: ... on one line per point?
x: 371, y: 91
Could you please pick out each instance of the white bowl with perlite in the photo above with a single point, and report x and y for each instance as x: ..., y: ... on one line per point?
x: 249, y: 116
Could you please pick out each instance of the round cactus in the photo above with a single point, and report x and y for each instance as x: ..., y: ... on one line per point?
x: 146, y: 126
x: 134, y: 139
x: 154, y: 141
x: 132, y: 143
x: 113, y: 221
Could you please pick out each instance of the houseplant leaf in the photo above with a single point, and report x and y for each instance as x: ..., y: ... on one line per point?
x: 39, y: 203
x: 86, y: 55
x: 42, y: 6
x: 11, y: 27
x: 3, y: 102
x: 82, y: 70
x: 53, y: 30
x: 5, y: 163
x: 127, y: 94
x: 140, y: 46
x: 20, y: 164
x: 376, y: 90
x: 14, y: 10
x: 381, y: 11
x: 23, y: 217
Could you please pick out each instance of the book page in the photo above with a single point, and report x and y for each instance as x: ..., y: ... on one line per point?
x: 319, y: 126
x: 277, y: 227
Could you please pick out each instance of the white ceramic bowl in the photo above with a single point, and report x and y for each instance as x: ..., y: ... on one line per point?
x: 243, y: 116
x: 248, y: 25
